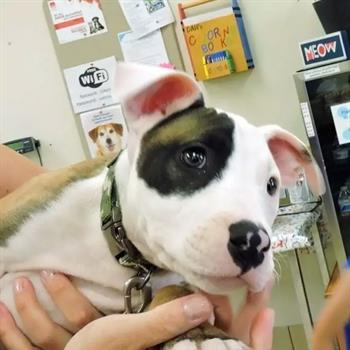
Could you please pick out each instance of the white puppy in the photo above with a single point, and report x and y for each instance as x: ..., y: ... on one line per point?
x: 198, y: 190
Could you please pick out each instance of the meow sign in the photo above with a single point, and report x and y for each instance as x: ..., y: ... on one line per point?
x: 327, y: 49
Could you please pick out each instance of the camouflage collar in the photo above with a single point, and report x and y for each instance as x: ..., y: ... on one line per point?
x: 120, y: 246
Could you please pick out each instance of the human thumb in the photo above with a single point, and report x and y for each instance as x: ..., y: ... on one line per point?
x: 144, y: 330
x: 261, y: 333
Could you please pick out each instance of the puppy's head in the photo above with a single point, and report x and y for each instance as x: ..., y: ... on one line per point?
x: 204, y: 184
x: 107, y: 137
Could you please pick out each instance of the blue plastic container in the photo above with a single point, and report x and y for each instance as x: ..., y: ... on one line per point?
x: 347, y: 327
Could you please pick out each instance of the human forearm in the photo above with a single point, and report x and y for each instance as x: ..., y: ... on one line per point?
x: 15, y: 170
x: 334, y: 315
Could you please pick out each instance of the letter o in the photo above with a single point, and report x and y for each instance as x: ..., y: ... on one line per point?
x: 321, y: 50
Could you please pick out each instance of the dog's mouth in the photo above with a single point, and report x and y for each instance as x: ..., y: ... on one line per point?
x: 111, y: 147
x: 222, y: 279
x: 216, y: 283
x: 225, y: 284
x: 209, y: 280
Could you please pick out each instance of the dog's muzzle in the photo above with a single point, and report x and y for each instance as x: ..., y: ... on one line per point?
x: 248, y: 244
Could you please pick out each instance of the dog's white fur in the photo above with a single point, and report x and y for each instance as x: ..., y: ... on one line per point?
x: 186, y: 235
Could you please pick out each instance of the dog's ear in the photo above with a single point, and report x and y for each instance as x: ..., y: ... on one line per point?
x: 93, y: 134
x: 149, y: 94
x: 290, y: 155
x: 118, y: 128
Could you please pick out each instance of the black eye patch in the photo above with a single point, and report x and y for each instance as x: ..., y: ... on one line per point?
x: 162, y: 163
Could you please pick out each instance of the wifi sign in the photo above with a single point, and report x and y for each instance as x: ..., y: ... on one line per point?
x: 93, y: 77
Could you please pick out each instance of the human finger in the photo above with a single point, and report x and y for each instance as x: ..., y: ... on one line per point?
x: 11, y: 338
x: 262, y: 330
x: 75, y: 307
x: 141, y: 331
x: 222, y: 311
x: 324, y: 345
x: 38, y: 327
x: 244, y: 319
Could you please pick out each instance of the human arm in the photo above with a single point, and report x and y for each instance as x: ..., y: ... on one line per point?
x: 334, y: 315
x: 15, y: 170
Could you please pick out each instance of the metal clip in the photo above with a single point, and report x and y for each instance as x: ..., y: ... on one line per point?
x: 119, y: 235
x: 138, y: 283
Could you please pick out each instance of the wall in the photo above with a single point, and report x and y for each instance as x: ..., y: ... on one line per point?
x: 34, y: 101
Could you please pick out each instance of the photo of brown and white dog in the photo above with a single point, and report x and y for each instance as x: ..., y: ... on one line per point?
x: 198, y: 192
x: 107, y: 138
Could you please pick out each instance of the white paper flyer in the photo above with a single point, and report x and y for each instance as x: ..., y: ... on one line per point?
x: 90, y: 85
x: 149, y: 49
x: 341, y: 117
x: 145, y: 16
x: 76, y: 19
x: 105, y: 130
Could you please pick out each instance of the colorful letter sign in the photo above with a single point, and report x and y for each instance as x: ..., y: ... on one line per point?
x: 217, y: 43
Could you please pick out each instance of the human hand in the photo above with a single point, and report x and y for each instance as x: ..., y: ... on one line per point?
x: 334, y: 315
x: 164, y: 322
x: 144, y: 330
x: 40, y: 329
x: 252, y: 324
x: 321, y: 343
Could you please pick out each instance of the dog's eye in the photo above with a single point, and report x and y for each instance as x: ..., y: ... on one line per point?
x: 111, y: 131
x: 194, y: 157
x: 272, y: 186
x: 101, y: 133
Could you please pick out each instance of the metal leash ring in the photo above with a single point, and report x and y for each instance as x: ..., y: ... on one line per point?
x: 139, y: 283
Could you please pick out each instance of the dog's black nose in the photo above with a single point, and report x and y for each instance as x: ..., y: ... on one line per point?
x: 248, y: 244
x: 109, y: 141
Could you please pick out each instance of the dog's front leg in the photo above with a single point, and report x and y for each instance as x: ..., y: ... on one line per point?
x: 204, y: 337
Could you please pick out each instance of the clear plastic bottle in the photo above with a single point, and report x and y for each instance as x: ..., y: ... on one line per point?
x: 299, y: 193
x: 344, y: 200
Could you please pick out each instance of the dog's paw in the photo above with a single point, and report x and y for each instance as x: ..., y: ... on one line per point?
x: 206, y: 344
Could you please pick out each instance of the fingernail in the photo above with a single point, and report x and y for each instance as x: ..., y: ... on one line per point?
x: 197, y: 308
x: 20, y: 285
x: 47, y: 275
